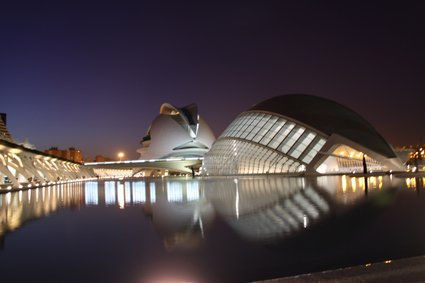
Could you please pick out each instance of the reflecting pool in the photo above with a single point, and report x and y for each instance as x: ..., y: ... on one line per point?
x: 207, y: 230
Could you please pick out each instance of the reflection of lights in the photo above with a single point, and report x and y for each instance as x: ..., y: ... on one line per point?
x: 110, y: 192
x: 411, y: 183
x: 90, y: 193
x: 372, y: 182
x: 127, y: 187
x: 201, y: 227
x: 8, y: 197
x: 152, y: 192
x: 237, y: 201
x: 344, y: 183
x: 192, y: 190
x: 139, y: 192
x: 174, y: 191
x: 121, y: 201
x: 362, y: 183
x: 368, y: 264
x: 305, y: 221
x: 353, y: 184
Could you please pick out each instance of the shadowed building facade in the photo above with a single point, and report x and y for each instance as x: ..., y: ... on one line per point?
x: 299, y: 133
x: 176, y: 132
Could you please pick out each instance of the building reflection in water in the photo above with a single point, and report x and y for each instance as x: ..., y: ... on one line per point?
x: 181, y: 210
x: 20, y: 207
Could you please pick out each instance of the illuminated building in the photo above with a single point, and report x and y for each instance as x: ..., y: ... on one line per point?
x: 75, y: 155
x: 417, y: 159
x: 4, y: 133
x: 72, y: 154
x: 299, y: 133
x: 176, y: 132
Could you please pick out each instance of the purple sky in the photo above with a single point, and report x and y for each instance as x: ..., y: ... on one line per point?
x: 95, y: 76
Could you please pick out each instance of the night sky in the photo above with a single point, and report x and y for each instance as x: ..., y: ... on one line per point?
x: 94, y: 76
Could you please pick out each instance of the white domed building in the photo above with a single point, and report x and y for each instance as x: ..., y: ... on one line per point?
x: 299, y: 133
x: 177, y: 133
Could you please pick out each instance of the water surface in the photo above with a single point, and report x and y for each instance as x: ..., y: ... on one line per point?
x: 207, y: 230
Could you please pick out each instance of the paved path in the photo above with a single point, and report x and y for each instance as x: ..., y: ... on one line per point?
x: 403, y: 270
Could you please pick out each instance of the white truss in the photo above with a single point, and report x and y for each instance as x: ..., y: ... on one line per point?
x: 21, y: 165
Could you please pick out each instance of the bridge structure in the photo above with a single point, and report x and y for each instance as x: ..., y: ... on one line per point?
x: 145, y: 168
x: 21, y: 166
x: 25, y: 167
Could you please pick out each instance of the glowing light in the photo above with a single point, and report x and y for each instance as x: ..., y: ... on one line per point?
x: 120, y: 155
x: 237, y: 201
x: 353, y: 184
x: 121, y: 197
x: 344, y: 183
x: 192, y: 191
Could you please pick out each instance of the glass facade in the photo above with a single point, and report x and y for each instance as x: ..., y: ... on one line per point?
x: 260, y: 143
x: 345, y: 159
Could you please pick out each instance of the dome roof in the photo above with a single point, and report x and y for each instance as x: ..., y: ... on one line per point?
x: 328, y: 117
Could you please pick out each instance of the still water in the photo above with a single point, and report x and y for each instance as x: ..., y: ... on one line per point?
x: 207, y: 230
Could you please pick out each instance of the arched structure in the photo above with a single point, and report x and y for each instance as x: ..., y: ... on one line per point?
x: 20, y: 165
x: 299, y: 133
x: 176, y: 132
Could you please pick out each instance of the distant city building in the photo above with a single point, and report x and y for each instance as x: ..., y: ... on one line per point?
x: 71, y: 154
x: 177, y: 132
x: 4, y: 133
x: 299, y: 133
x: 101, y: 158
x: 416, y: 160
x: 75, y: 155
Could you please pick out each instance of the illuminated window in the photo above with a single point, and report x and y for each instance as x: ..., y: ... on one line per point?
x: 291, y: 139
x: 301, y: 144
x: 281, y: 135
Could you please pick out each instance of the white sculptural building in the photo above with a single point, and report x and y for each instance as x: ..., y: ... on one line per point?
x: 20, y: 165
x: 299, y: 133
x: 176, y: 132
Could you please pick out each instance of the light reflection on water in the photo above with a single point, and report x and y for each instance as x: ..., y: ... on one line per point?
x: 228, y: 226
x: 257, y: 208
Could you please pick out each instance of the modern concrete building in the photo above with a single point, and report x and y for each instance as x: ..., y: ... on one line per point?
x: 21, y: 165
x: 299, y: 133
x: 176, y: 132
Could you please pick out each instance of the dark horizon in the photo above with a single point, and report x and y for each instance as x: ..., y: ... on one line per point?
x: 93, y: 76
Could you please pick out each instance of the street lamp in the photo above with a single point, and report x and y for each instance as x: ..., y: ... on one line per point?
x: 120, y: 155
